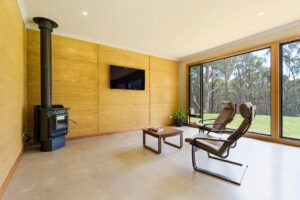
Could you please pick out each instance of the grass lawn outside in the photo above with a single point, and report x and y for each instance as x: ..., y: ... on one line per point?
x: 261, y: 124
x: 291, y: 127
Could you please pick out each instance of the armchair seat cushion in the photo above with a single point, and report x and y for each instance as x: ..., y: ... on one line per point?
x: 206, y: 128
x: 207, y: 145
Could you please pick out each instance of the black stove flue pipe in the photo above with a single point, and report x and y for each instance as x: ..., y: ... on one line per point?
x: 46, y: 27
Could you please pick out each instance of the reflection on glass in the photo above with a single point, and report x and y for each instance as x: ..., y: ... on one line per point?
x: 194, y: 78
x: 61, y: 121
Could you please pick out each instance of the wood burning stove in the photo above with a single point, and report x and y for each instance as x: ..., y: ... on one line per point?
x: 51, y: 126
x: 51, y: 122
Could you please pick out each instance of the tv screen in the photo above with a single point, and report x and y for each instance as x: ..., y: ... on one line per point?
x: 127, y: 78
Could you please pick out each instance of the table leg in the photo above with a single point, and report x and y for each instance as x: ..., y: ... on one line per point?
x: 174, y: 145
x: 150, y: 148
x: 181, y: 140
x: 159, y: 145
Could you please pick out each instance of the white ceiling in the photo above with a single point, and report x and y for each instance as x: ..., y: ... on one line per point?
x: 167, y: 28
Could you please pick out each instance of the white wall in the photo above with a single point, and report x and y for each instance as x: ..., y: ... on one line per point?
x: 260, y: 38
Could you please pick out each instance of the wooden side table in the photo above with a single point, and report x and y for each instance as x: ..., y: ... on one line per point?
x: 168, y: 132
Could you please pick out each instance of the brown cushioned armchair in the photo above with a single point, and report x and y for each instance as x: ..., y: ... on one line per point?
x: 225, y: 117
x: 219, y: 147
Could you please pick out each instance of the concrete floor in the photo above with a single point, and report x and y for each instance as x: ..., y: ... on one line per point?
x: 118, y: 167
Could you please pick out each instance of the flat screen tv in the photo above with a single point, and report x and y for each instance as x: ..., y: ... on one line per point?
x: 127, y: 78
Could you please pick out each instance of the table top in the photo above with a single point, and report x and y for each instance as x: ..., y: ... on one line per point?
x: 166, y: 131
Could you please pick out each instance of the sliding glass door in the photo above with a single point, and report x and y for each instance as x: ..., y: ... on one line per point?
x: 290, y: 90
x: 240, y: 78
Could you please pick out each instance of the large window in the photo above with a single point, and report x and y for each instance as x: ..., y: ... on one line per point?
x: 290, y: 90
x: 241, y: 78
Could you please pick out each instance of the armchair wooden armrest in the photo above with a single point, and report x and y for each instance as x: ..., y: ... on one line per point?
x: 211, y: 139
x: 206, y: 120
x: 212, y: 124
x: 222, y: 131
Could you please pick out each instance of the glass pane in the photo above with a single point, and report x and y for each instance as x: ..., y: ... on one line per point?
x: 61, y: 121
x: 290, y: 90
x: 194, y: 98
x: 241, y: 78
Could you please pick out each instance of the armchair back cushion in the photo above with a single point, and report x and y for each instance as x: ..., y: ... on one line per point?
x: 226, y: 116
x: 247, y: 110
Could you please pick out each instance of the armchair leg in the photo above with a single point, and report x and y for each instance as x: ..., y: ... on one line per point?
x: 202, y: 131
x: 194, y: 150
x: 236, y: 180
x: 233, y: 145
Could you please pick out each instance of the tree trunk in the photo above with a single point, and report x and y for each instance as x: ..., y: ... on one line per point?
x: 241, y: 94
x: 294, y: 94
x: 226, y: 89
x: 286, y: 99
x: 206, y: 108
x: 213, y: 92
x: 196, y: 103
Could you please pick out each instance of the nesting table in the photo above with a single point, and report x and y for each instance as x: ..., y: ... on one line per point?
x: 167, y: 132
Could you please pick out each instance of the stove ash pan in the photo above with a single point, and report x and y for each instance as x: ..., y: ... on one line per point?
x: 51, y: 126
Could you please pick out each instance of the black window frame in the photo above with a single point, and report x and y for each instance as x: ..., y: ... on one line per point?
x: 281, y: 93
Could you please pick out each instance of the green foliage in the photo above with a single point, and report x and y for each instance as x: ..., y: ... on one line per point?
x: 291, y: 79
x: 180, y: 114
x: 241, y: 78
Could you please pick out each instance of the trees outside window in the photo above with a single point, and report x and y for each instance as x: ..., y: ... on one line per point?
x: 240, y: 78
x: 290, y: 90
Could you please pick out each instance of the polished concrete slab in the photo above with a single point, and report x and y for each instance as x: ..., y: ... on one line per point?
x: 118, y: 167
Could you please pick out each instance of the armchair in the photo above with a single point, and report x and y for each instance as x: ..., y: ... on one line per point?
x: 220, y: 147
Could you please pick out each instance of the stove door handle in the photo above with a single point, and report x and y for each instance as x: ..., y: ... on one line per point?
x: 73, y: 121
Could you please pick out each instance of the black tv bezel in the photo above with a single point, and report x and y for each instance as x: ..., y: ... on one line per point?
x: 144, y: 88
